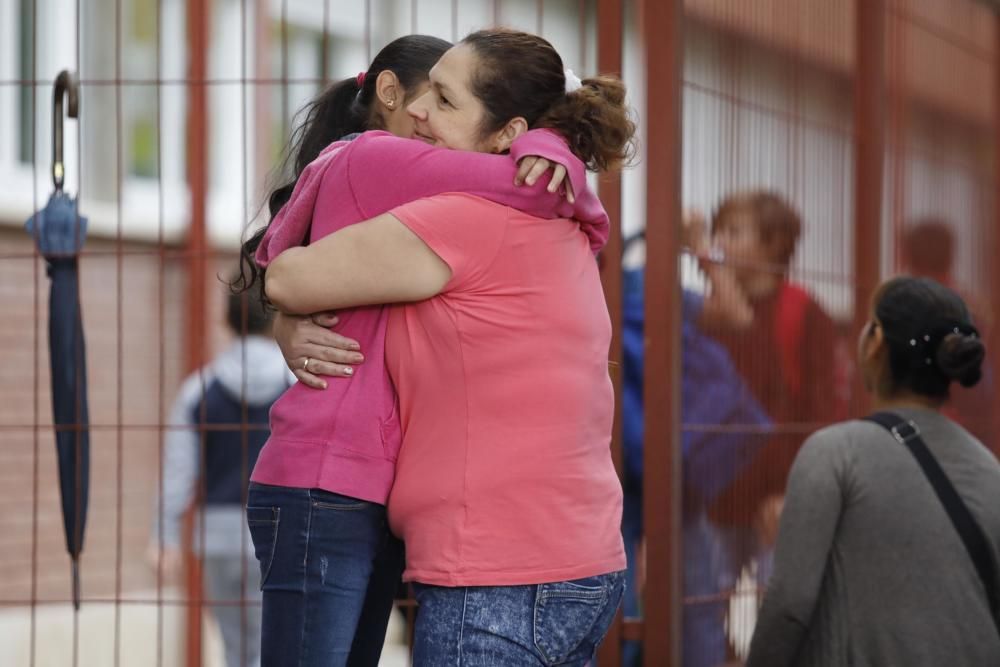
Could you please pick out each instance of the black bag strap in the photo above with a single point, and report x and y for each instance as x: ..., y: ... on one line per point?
x: 907, y: 433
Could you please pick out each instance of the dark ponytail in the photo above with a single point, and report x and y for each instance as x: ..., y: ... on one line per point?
x: 932, y: 340
x: 520, y: 74
x: 346, y: 107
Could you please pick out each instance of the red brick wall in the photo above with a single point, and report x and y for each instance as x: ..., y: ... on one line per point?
x: 134, y: 358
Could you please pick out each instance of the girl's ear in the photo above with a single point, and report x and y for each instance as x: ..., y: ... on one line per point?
x: 388, y: 89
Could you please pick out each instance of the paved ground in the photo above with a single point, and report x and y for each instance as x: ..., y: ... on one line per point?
x: 138, y: 645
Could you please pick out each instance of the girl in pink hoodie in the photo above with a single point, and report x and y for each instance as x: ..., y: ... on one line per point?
x: 316, y: 505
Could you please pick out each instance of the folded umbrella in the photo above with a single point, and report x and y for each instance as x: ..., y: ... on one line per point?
x: 59, y: 232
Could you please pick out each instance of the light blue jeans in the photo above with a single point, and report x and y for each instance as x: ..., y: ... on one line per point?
x: 547, y: 624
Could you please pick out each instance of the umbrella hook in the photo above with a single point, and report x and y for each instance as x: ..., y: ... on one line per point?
x: 66, y: 84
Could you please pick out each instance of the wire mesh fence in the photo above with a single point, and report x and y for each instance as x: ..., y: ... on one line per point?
x: 862, y: 136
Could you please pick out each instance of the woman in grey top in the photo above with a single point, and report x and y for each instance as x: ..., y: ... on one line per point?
x: 869, y: 570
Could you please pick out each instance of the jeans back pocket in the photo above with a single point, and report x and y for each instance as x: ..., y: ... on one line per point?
x: 263, y: 524
x: 566, y: 614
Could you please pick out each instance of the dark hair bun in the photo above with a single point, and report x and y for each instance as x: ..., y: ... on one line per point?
x: 960, y: 358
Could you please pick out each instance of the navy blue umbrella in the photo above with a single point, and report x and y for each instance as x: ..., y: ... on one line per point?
x: 59, y: 231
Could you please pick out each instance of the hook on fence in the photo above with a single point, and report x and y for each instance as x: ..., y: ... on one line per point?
x: 66, y: 84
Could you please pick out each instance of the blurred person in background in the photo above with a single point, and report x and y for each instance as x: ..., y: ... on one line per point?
x: 216, y: 428
x: 928, y: 246
x: 871, y: 567
x: 713, y: 394
x: 786, y: 353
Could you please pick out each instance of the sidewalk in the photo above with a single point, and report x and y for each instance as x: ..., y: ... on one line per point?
x: 138, y: 644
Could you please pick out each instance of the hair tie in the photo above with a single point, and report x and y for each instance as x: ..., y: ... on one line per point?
x: 573, y: 82
x: 361, y: 79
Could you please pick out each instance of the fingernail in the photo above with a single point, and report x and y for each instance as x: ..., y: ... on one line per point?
x: 349, y: 370
x: 354, y: 346
x: 324, y: 385
x: 358, y: 358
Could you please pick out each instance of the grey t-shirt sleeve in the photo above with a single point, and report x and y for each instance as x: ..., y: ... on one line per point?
x: 813, y: 502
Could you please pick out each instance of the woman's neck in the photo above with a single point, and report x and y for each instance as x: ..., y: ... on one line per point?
x: 906, y: 400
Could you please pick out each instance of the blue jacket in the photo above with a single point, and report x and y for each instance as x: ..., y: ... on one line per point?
x: 712, y: 394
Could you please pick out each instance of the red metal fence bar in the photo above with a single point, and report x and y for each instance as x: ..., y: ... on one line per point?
x: 199, y: 21
x: 663, y: 49
x: 610, y: 27
x: 994, y: 270
x: 869, y: 152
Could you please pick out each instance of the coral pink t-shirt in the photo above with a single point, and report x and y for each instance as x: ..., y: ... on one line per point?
x: 505, y: 474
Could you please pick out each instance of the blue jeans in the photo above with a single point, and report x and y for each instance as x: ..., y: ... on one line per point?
x: 547, y: 624
x: 329, y: 571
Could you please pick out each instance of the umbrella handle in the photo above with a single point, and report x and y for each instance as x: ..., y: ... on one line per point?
x: 66, y: 83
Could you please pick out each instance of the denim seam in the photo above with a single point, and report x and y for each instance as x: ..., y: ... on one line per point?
x: 303, y: 647
x: 621, y: 597
x: 274, y: 542
x: 319, y: 504
x: 573, y: 595
x: 461, y: 629
x: 534, y: 623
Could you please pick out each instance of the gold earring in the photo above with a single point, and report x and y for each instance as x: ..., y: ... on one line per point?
x: 390, y: 103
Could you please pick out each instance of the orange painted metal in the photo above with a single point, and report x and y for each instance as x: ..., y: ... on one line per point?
x: 662, y: 36
x: 993, y: 288
x: 869, y: 157
x: 610, y: 29
x: 198, y: 25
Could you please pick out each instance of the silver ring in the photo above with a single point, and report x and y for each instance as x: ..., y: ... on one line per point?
x: 305, y: 364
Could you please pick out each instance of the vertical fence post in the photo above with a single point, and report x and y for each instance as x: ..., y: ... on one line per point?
x: 610, y: 27
x: 993, y: 344
x: 869, y: 158
x: 198, y: 27
x: 663, y: 49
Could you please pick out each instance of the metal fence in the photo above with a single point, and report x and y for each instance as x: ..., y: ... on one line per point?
x: 875, y: 120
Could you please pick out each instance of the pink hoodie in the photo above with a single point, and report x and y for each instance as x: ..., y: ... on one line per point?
x: 345, y: 438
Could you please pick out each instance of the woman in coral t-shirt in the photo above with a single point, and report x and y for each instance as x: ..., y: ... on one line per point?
x: 505, y: 492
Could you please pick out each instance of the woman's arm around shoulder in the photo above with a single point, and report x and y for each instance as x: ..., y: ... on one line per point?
x: 373, y: 262
x: 443, y: 243
x: 385, y: 171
